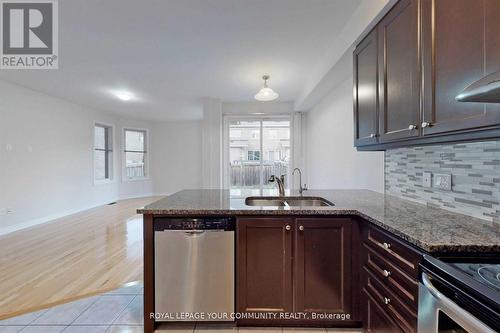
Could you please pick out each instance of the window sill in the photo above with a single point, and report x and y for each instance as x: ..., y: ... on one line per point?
x: 103, y: 182
x: 126, y: 180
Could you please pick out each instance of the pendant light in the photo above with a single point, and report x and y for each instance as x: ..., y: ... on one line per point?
x: 266, y: 94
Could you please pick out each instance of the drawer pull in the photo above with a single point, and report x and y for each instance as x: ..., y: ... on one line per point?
x: 387, y: 300
x: 301, y: 228
x: 386, y: 246
x: 288, y: 227
x: 386, y: 273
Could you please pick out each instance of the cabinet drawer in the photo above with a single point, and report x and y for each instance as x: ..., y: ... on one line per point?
x: 377, y: 320
x: 394, y: 250
x: 402, y: 315
x: 393, y: 277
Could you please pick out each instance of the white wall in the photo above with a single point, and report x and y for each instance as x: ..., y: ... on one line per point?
x: 177, y: 159
x: 46, y: 158
x: 332, y: 162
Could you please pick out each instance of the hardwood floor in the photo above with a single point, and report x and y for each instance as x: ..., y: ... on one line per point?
x: 73, y: 257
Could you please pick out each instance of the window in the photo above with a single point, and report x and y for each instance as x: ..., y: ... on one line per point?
x: 254, y: 155
x: 135, y: 153
x: 257, y: 148
x: 103, y: 152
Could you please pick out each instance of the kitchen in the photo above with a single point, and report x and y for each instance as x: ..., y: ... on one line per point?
x: 363, y: 195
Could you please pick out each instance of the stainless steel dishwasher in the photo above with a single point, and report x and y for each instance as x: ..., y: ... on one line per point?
x: 194, y: 269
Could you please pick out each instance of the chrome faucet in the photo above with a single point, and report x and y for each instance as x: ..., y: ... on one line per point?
x: 301, y: 188
x: 280, y: 182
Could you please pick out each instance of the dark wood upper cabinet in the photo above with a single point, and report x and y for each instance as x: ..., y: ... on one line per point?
x: 399, y: 72
x: 264, y: 269
x: 322, y: 266
x: 492, y: 47
x: 429, y: 51
x: 365, y: 91
x: 460, y: 46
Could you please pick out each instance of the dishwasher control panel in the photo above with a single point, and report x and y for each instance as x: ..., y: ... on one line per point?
x: 211, y: 223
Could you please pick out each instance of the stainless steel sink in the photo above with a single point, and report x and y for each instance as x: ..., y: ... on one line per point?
x: 288, y: 201
x: 265, y: 201
x: 308, y: 202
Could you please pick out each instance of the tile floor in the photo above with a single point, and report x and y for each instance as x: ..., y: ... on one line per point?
x: 118, y: 311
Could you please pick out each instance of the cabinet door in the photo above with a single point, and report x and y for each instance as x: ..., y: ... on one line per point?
x: 399, y: 72
x: 366, y: 91
x: 323, y: 266
x: 376, y: 319
x: 492, y: 38
x: 264, y: 264
x: 460, y: 46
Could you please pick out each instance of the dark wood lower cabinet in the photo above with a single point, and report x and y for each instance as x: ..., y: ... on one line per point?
x: 264, y: 265
x: 320, y: 252
x: 389, y: 282
x: 377, y: 320
x: 322, y: 266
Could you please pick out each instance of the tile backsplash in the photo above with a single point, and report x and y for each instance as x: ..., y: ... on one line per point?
x: 475, y: 170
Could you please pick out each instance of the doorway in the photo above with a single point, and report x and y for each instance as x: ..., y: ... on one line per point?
x: 255, y: 149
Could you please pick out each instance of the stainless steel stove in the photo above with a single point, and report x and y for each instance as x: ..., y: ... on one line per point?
x: 486, y: 274
x: 459, y: 295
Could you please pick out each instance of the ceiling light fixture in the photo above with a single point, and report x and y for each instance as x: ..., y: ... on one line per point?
x: 266, y: 94
x: 123, y: 95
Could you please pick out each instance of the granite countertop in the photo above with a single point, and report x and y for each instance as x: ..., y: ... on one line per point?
x: 431, y: 229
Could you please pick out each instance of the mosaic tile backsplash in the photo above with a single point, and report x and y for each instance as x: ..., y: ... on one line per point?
x: 475, y: 170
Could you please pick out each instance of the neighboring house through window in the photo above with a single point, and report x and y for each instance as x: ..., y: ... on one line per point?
x: 254, y: 155
x: 103, y: 153
x: 135, y: 153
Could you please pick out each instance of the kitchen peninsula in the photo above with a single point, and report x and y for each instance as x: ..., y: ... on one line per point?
x: 326, y: 260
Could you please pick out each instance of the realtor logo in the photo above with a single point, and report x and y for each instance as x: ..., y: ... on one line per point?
x: 29, y: 34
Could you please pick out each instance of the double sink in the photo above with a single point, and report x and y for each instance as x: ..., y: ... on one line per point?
x: 288, y: 202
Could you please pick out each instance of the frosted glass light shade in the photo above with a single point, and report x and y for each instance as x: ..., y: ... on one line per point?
x: 266, y: 94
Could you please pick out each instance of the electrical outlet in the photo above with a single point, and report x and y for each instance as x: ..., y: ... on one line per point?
x: 427, y: 179
x: 442, y: 182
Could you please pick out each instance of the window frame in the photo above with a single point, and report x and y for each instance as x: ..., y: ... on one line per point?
x: 228, y: 117
x: 110, y: 150
x: 145, y: 152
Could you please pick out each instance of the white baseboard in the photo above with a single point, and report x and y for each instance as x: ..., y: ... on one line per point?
x: 52, y: 217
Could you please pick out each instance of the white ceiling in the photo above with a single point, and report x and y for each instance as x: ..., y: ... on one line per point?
x: 171, y: 53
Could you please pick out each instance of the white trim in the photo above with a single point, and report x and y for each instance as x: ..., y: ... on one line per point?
x: 47, y: 219
x: 111, y: 171
x: 146, y: 159
x: 54, y: 217
x: 138, y: 179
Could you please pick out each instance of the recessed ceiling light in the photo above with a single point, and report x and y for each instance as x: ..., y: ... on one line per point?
x: 266, y: 94
x: 124, y: 95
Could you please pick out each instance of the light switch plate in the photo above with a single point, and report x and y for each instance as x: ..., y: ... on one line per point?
x: 427, y: 179
x: 442, y: 182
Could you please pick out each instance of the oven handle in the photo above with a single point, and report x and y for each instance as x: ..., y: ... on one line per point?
x: 469, y: 319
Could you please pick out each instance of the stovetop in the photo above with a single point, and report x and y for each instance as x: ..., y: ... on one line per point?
x: 486, y: 274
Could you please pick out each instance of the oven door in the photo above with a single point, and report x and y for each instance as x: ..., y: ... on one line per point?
x: 437, y: 313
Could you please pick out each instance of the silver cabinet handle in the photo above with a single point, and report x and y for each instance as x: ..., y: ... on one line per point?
x: 288, y: 227
x: 301, y: 228
x: 412, y: 127
x: 386, y: 273
x: 426, y: 124
x: 373, y: 135
x: 386, y: 246
x: 387, y: 300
